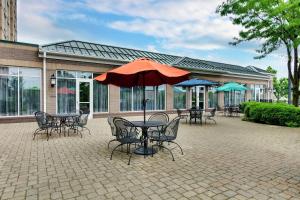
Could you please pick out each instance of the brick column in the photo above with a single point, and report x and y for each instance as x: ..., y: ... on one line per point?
x: 114, y: 99
x: 169, y: 97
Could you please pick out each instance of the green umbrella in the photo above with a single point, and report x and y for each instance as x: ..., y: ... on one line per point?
x: 232, y: 86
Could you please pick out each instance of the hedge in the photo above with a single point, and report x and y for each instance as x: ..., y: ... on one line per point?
x: 272, y: 113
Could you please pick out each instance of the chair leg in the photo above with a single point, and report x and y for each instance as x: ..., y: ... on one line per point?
x: 47, y: 134
x: 129, y: 158
x: 35, y: 132
x: 114, y: 150
x: 178, y: 146
x: 110, y: 142
x: 79, y: 132
x: 163, y: 147
x: 87, y: 129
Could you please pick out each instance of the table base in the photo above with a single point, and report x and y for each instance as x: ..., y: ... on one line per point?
x: 144, y: 151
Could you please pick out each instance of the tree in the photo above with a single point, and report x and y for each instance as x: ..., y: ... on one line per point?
x: 275, y: 23
x: 280, y: 85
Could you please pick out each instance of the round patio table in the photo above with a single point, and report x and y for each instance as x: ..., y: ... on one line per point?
x: 62, y: 118
x: 144, y: 149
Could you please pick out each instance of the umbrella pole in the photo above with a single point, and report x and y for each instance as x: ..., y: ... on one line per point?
x: 144, y: 99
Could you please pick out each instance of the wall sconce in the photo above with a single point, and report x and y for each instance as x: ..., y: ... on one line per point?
x: 53, y: 80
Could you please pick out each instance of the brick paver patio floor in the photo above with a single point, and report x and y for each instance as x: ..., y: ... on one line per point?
x: 231, y: 160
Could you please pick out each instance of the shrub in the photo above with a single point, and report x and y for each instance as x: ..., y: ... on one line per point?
x: 272, y: 113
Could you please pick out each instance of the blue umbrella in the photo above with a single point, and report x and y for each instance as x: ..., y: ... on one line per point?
x: 195, y: 82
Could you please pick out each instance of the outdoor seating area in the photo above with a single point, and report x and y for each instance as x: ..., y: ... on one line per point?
x: 235, y: 159
x: 157, y: 130
x: 60, y: 123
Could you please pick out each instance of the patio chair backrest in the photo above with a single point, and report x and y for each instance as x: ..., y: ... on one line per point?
x: 83, y: 119
x: 213, y: 112
x: 42, y: 119
x: 195, y: 113
x: 124, y: 128
x: 159, y: 116
x: 179, y: 112
x: 172, y: 128
x: 110, y: 121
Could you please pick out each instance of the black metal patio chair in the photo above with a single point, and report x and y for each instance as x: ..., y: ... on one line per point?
x: 167, y: 134
x: 110, y: 121
x: 182, y: 115
x: 80, y: 122
x: 158, y: 116
x: 45, y: 122
x: 126, y: 134
x: 195, y: 114
x: 210, y: 116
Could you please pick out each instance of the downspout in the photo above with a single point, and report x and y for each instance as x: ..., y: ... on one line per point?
x: 44, y: 82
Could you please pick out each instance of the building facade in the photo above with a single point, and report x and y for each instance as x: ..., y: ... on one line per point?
x: 58, y: 78
x: 8, y: 20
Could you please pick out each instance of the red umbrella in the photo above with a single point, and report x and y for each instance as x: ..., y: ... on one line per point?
x: 143, y: 72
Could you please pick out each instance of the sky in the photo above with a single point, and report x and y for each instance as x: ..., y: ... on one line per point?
x: 181, y: 27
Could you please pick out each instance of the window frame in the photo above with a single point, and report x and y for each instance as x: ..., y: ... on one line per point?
x: 155, y: 100
x: 78, y: 78
x: 18, y: 86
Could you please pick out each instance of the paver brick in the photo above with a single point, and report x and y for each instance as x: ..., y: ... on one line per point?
x: 233, y: 160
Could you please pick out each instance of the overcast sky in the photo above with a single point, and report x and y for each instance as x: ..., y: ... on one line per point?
x: 181, y: 27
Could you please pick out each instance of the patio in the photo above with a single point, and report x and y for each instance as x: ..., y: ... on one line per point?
x: 231, y: 160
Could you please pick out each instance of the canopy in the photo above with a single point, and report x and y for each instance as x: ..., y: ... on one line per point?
x: 232, y: 86
x: 143, y: 72
x: 195, y: 82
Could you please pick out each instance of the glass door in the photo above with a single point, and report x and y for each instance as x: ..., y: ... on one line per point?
x: 198, y: 97
x: 84, y: 96
x: 201, y: 97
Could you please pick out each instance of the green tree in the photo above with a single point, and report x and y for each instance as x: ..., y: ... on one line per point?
x: 280, y: 86
x: 275, y: 23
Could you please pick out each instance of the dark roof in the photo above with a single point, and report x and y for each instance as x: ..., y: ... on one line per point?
x: 80, y: 48
x: 258, y: 69
x: 113, y: 53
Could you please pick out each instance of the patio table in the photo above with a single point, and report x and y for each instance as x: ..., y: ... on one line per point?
x: 196, y: 113
x: 63, y: 119
x: 144, y: 149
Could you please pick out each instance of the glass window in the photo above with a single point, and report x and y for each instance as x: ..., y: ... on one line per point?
x: 9, y: 71
x: 87, y: 75
x: 8, y: 96
x: 100, y: 97
x: 30, y: 92
x: 19, y: 91
x: 179, y: 98
x: 239, y: 97
x: 137, y: 98
x: 150, y: 97
x: 160, y: 97
x: 66, y: 95
x: 131, y: 99
x: 212, y: 98
x: 66, y: 74
x: 30, y: 72
x: 125, y: 99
